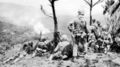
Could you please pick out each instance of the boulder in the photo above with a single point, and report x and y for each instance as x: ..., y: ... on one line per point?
x: 116, y: 61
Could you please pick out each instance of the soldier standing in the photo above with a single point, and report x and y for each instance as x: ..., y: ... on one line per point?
x: 78, y: 29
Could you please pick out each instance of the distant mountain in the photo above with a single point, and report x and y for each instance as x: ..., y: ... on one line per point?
x: 33, y: 18
x: 30, y: 17
x: 16, y: 14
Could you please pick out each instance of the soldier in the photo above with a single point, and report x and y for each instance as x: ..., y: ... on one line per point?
x: 97, y: 28
x: 35, y: 47
x: 105, y: 39
x: 78, y: 29
x: 31, y: 48
x: 63, y: 50
x: 92, y: 42
x: 78, y: 23
x: 21, y: 53
x: 40, y: 49
x: 115, y: 47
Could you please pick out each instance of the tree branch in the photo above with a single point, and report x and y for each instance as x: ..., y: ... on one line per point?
x: 87, y: 2
x: 115, y: 8
x: 99, y: 1
x: 52, y: 1
x: 44, y: 12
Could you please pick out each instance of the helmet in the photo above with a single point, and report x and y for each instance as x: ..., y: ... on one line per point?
x: 104, y: 27
x: 80, y: 13
x: 90, y: 28
x: 64, y: 37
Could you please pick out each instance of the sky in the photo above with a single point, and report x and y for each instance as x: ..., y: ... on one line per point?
x: 62, y: 6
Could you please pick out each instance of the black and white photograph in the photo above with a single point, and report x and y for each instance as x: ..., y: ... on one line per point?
x: 59, y: 33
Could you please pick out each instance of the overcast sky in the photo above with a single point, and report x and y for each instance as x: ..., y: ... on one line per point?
x: 66, y: 7
x: 62, y: 6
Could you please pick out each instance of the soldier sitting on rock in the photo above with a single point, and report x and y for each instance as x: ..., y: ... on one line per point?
x: 105, y: 40
x: 63, y: 50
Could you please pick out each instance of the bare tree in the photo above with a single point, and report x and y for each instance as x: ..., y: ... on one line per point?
x: 44, y: 12
x: 111, y: 6
x: 91, y: 4
x: 56, y: 32
x: 112, y: 9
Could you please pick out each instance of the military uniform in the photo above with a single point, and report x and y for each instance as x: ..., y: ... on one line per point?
x: 115, y: 47
x: 78, y: 29
x: 107, y: 39
x: 92, y: 42
x: 63, y: 50
x: 96, y: 29
x: 76, y: 26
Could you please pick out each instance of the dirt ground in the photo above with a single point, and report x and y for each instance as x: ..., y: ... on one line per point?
x: 88, y: 60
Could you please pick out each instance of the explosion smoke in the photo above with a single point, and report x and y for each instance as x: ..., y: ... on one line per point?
x: 39, y: 27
